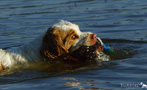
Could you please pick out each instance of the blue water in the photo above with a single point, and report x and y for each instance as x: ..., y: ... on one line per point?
x: 120, y: 23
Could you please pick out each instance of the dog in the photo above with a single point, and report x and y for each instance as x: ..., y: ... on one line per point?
x: 63, y: 41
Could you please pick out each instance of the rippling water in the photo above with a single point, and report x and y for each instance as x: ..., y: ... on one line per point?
x: 120, y: 23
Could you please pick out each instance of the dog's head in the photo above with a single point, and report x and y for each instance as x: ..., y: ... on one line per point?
x: 65, y: 40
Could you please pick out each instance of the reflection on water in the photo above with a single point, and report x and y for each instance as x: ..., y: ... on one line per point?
x: 76, y: 83
x: 120, y: 23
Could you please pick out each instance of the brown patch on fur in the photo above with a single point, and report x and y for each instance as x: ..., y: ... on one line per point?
x: 71, y: 38
x: 56, y: 42
x: 1, y: 67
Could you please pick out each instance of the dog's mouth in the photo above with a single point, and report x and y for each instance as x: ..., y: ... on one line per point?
x: 85, y: 53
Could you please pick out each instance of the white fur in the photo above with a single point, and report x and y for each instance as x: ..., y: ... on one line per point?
x: 65, y: 25
x: 22, y: 54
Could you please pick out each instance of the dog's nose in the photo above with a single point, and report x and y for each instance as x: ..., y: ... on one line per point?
x: 93, y: 36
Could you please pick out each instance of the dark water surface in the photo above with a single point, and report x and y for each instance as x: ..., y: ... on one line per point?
x: 120, y: 23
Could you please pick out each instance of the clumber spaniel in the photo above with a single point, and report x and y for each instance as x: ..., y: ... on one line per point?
x: 63, y: 41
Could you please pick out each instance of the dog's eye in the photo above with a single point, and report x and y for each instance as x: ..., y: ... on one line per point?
x: 75, y: 36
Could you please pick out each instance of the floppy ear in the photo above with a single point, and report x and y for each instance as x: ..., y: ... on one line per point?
x: 52, y: 44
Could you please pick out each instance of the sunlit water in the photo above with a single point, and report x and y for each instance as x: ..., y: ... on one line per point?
x: 121, y: 24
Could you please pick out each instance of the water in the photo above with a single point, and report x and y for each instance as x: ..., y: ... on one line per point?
x: 120, y: 23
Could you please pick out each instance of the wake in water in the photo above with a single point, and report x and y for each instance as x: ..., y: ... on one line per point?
x: 120, y: 52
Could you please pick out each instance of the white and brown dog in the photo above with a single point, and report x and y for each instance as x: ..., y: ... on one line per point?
x: 63, y: 40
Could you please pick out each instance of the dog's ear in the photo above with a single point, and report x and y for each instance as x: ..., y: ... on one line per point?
x: 52, y: 44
